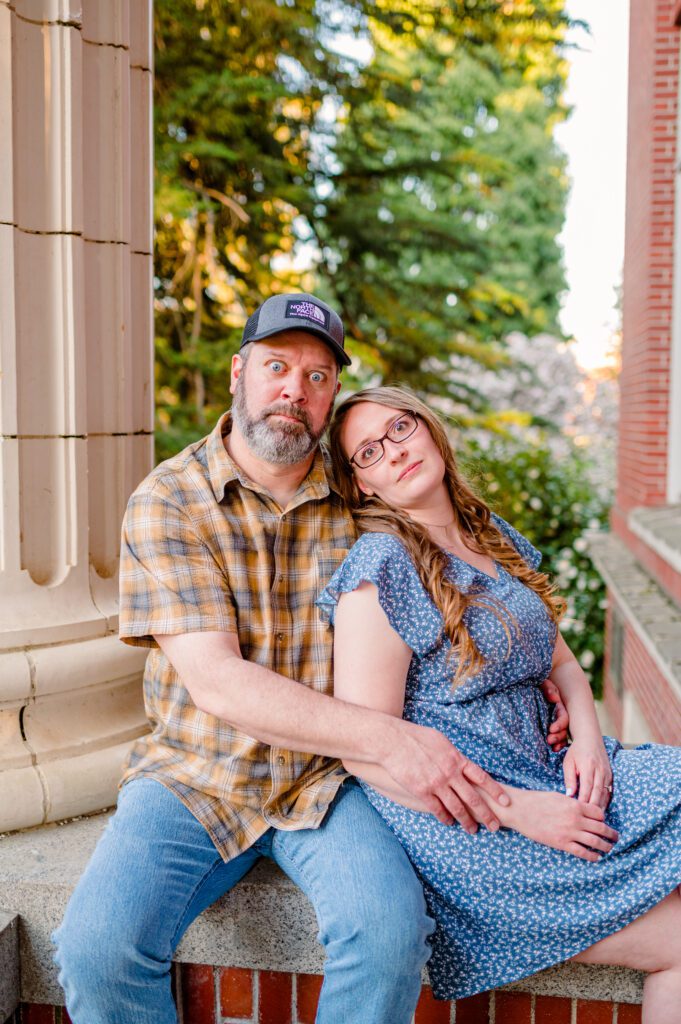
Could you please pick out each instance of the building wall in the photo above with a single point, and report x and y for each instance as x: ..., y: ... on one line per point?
x: 641, y: 702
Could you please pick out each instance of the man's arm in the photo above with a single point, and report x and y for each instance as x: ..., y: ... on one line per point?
x: 280, y: 712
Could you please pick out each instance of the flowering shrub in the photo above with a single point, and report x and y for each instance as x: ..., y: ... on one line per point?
x: 552, y: 502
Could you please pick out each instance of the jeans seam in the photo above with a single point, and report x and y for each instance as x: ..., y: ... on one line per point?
x: 174, y: 938
x: 304, y: 876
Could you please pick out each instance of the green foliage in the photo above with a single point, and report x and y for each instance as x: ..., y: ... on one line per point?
x: 553, y: 504
x: 266, y: 138
x: 237, y: 90
x: 439, y: 237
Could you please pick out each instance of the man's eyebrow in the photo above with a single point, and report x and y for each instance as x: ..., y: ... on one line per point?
x: 279, y: 354
x: 386, y: 424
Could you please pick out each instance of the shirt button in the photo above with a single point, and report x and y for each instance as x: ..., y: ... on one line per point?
x: 280, y: 637
x: 281, y: 759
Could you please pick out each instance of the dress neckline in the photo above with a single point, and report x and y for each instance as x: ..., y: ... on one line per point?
x: 474, y: 568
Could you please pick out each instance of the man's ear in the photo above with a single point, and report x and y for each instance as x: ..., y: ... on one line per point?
x: 338, y: 387
x: 237, y: 367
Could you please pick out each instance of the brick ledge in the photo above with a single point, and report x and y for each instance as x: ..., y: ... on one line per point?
x: 265, y: 924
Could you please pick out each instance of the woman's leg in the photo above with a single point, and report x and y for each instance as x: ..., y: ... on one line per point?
x: 651, y: 943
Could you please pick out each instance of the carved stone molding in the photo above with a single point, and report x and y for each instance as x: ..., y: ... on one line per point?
x: 76, y: 403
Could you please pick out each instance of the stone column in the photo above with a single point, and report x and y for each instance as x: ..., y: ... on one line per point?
x: 76, y: 391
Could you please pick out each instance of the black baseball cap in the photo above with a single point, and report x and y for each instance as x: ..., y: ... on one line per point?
x: 298, y: 311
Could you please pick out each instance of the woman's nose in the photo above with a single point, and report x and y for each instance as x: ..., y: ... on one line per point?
x: 397, y: 450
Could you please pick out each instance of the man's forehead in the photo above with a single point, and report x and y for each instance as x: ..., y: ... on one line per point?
x: 296, y: 343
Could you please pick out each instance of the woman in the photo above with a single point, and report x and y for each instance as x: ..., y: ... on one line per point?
x: 442, y: 616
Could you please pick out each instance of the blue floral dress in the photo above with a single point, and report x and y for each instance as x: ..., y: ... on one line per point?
x: 504, y: 905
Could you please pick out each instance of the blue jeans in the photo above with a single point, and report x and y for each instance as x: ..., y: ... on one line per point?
x: 155, y: 869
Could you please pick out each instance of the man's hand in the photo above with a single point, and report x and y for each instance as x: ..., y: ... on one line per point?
x: 558, y: 729
x: 424, y: 763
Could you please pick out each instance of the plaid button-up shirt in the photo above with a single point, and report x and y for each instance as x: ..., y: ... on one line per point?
x: 206, y: 549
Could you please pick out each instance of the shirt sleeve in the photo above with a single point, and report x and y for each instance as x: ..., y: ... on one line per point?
x: 381, y: 559
x: 522, y: 545
x: 169, y: 580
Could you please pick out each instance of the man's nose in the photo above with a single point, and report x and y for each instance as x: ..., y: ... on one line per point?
x: 293, y: 388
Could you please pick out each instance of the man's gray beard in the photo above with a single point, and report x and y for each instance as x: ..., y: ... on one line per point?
x: 278, y: 442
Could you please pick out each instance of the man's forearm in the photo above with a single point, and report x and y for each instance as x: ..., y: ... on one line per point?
x: 283, y: 713
x: 279, y: 711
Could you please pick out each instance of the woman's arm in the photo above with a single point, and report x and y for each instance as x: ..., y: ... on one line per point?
x: 370, y: 668
x: 574, y: 826
x: 586, y: 767
x: 371, y: 662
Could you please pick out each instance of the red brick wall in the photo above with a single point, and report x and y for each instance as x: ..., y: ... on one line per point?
x: 643, y: 679
x: 213, y: 995
x: 647, y: 297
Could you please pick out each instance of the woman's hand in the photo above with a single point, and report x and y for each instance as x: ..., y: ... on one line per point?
x: 560, y: 822
x: 587, y: 771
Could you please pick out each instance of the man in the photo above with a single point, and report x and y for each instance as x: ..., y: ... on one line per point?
x: 225, y: 548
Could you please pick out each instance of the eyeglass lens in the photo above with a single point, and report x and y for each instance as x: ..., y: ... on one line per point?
x: 398, y: 431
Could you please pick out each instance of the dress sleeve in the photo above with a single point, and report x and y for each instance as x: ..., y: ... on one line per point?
x: 522, y: 545
x: 381, y: 559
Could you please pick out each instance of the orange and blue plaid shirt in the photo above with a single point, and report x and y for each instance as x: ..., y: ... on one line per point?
x: 206, y: 549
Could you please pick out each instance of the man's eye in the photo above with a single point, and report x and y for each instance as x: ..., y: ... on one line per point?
x: 276, y: 367
x: 317, y: 377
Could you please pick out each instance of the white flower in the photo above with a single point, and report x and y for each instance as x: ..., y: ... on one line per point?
x: 536, y: 504
x: 586, y: 659
x: 580, y: 544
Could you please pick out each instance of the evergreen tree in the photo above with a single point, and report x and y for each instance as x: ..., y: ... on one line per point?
x: 267, y: 138
x: 440, y: 234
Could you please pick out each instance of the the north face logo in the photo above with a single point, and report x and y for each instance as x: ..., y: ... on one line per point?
x: 307, y: 311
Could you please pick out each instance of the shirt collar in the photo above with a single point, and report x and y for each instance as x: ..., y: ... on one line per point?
x: 223, y: 470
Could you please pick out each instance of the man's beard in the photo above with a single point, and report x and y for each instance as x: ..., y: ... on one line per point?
x: 276, y: 440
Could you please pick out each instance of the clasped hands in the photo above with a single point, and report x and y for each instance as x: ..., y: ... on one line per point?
x: 453, y: 788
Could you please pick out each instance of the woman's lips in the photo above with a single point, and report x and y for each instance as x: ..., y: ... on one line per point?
x: 407, y: 471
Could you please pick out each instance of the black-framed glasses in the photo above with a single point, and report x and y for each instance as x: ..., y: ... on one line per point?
x: 373, y: 451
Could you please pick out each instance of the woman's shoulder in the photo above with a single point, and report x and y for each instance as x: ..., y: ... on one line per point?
x: 523, y: 546
x: 380, y: 549
x: 383, y: 560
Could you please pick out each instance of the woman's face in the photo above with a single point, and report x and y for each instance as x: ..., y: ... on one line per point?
x: 410, y: 473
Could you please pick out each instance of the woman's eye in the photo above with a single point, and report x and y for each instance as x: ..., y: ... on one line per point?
x: 366, y: 454
x: 400, y: 426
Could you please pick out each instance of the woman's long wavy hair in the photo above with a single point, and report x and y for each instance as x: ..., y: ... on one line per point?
x: 471, y: 517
